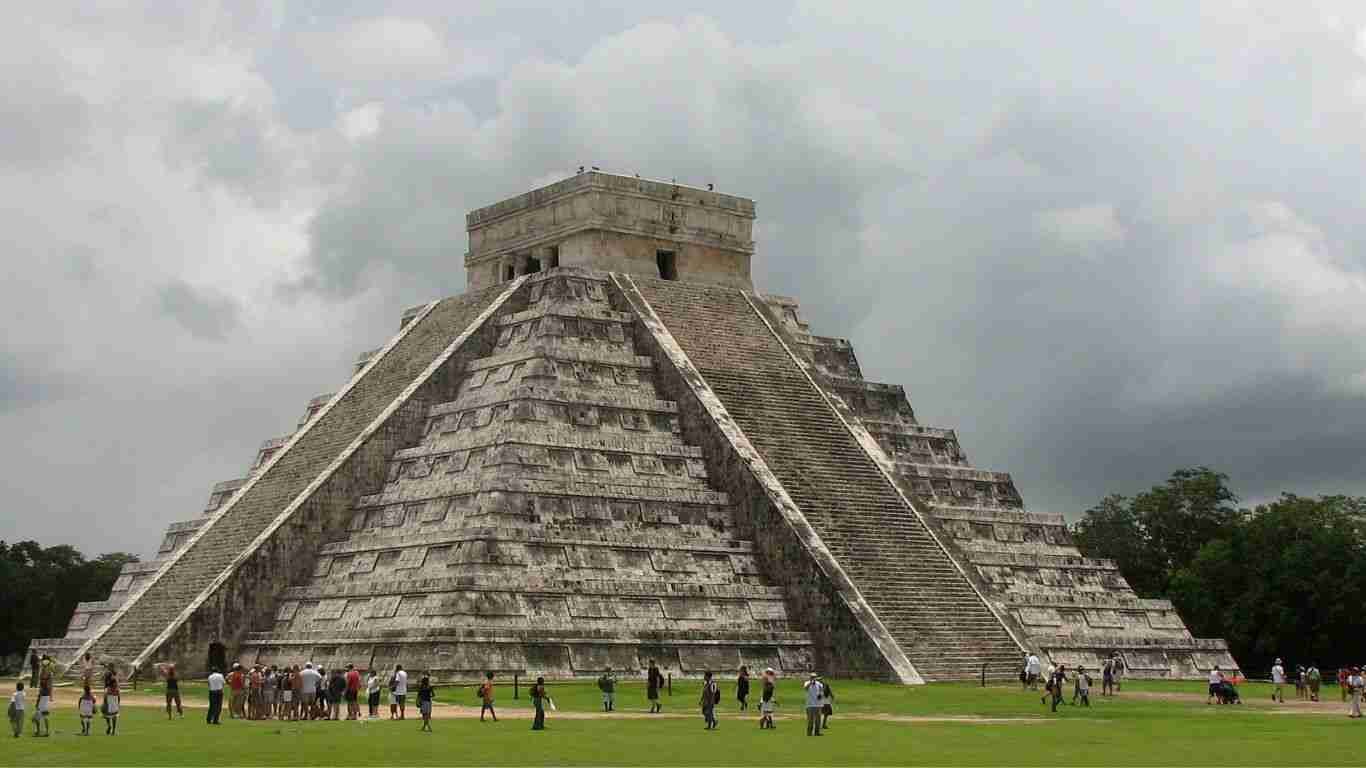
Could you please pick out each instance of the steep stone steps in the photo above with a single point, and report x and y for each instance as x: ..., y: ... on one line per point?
x: 924, y: 600
x: 230, y: 535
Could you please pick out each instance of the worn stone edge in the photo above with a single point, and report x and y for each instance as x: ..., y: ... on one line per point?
x: 777, y: 494
x: 346, y: 453
x: 885, y: 467
x: 226, y: 507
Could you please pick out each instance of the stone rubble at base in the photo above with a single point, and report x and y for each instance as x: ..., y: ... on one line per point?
x: 591, y: 467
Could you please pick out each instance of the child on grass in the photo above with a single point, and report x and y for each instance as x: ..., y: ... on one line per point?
x: 424, y: 702
x: 16, y: 709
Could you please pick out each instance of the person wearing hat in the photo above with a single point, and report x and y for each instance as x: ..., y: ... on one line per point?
x: 1354, y: 685
x: 766, y: 700
x: 1278, y: 680
x: 815, y: 697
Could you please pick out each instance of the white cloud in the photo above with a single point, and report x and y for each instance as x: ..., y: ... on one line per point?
x: 1082, y: 226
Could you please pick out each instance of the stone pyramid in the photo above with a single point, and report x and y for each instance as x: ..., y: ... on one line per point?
x: 611, y: 449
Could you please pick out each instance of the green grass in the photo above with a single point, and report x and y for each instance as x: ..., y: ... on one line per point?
x: 1130, y: 730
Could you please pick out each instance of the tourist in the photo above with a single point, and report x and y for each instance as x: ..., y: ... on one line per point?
x: 167, y: 671
x: 742, y: 688
x: 424, y: 702
x: 608, y: 685
x: 1119, y: 671
x: 654, y: 680
x: 539, y: 699
x: 33, y: 663
x: 1216, y: 685
x: 111, y: 702
x: 47, y: 671
x: 766, y: 699
x: 1315, y: 681
x: 401, y: 691
x: 1032, y: 671
x: 815, y: 692
x: 1048, y: 683
x: 16, y: 708
x: 256, y: 683
x: 1024, y: 673
x: 1278, y: 682
x: 237, y: 697
x: 393, y: 696
x: 86, y: 707
x: 1107, y: 676
x: 827, y: 704
x: 711, y: 696
x: 1058, y: 679
x: 216, y: 683
x: 286, y: 684
x: 1300, y: 688
x: 372, y: 689
x: 1354, y: 688
x: 486, y: 698
x: 41, y: 726
x: 336, y: 691
x: 352, y: 692
x: 309, y: 684
x: 1343, y: 673
x: 1082, y: 688
x: 270, y: 685
x: 87, y: 670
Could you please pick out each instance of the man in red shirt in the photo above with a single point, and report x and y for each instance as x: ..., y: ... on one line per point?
x: 352, y: 692
x: 237, y: 681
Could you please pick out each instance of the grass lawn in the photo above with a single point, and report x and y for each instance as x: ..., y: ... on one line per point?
x: 1153, y: 723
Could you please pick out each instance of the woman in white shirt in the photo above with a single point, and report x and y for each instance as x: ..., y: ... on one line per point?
x: 1216, y: 679
x: 372, y: 692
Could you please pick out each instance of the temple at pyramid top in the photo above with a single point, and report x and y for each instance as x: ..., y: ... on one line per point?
x: 613, y: 223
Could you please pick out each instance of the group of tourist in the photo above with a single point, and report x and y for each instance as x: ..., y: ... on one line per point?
x: 300, y: 693
x: 1032, y: 672
x: 43, y: 673
x: 1308, y: 682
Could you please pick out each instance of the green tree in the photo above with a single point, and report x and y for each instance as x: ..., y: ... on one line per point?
x: 40, y: 587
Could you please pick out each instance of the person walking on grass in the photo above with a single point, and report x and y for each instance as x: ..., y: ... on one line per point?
x: 539, y: 699
x: 815, y: 692
x: 1033, y: 670
x: 1083, y: 688
x: 111, y: 702
x: 336, y: 691
x: 1278, y: 681
x: 86, y: 707
x: 742, y: 688
x: 1057, y: 680
x: 1354, y: 689
x: 33, y: 663
x: 372, y: 693
x: 16, y: 709
x: 172, y: 689
x: 827, y: 703
x: 1315, y: 681
x: 654, y: 680
x: 424, y: 702
x: 1300, y: 689
x: 711, y: 695
x: 486, y: 698
x: 608, y: 685
x: 766, y: 699
x: 41, y: 726
x: 1216, y: 683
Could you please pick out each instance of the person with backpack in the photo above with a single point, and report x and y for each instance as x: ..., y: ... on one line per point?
x: 424, y: 702
x: 815, y: 692
x: 767, y: 702
x: 486, y: 698
x: 654, y: 680
x: 16, y: 708
x: 711, y: 696
x: 742, y: 688
x: 1056, y: 682
x: 1083, y: 688
x: 1315, y: 681
x: 539, y: 698
x: 608, y: 685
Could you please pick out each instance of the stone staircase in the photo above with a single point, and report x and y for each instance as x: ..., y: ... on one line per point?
x: 551, y: 520
x: 1073, y: 609
x: 367, y: 413
x: 931, y: 609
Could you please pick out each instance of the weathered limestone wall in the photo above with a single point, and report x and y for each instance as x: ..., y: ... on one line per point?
x: 606, y: 222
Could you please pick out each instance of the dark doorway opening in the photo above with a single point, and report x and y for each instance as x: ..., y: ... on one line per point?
x: 532, y: 265
x: 553, y: 257
x: 218, y: 657
x: 668, y: 264
x: 509, y: 272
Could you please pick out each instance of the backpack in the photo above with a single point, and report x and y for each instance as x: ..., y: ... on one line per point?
x: 716, y: 694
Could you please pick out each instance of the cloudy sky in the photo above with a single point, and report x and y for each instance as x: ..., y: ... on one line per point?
x: 1102, y: 240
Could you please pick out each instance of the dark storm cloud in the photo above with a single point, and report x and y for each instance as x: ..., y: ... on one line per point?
x: 203, y: 314
x: 1102, y: 241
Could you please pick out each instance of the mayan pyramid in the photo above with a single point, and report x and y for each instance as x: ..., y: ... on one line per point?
x: 613, y: 449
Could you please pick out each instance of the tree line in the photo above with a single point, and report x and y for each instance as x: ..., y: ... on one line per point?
x: 39, y: 589
x: 1283, y: 579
